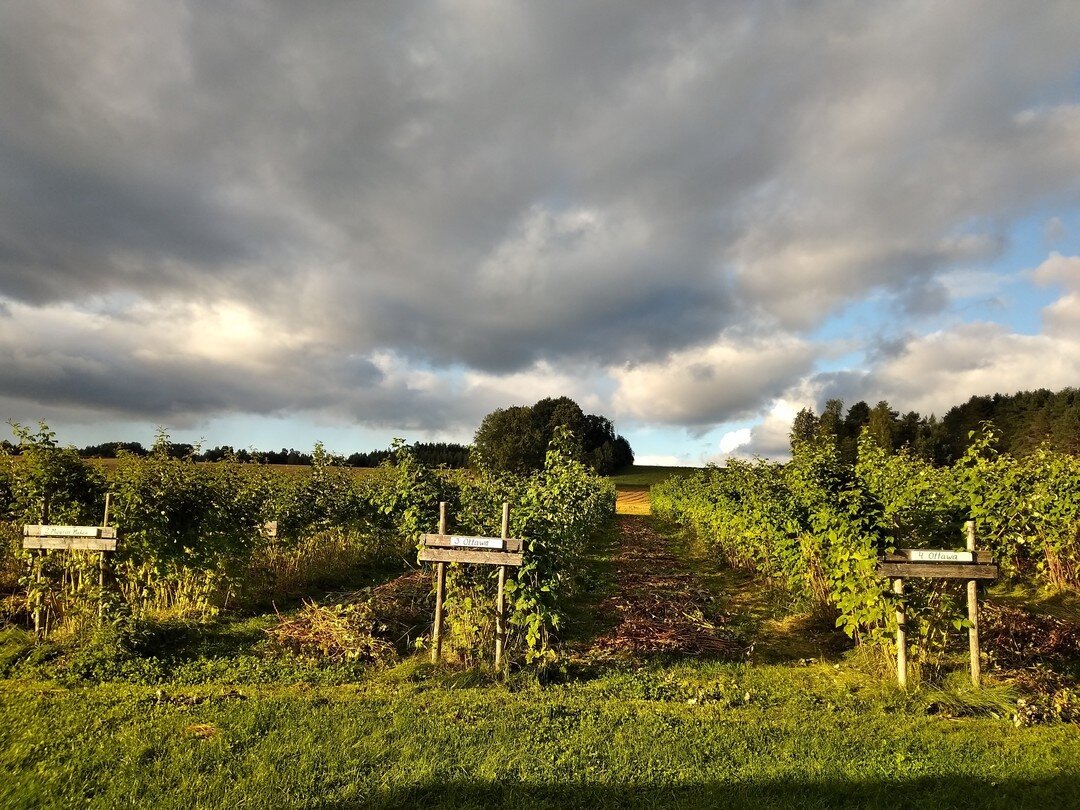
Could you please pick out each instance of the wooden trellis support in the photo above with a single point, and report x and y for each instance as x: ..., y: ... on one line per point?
x: 971, y: 565
x: 443, y: 548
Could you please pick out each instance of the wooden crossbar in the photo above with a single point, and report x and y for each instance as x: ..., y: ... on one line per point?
x: 462, y: 555
x: 921, y: 570
x: 70, y: 543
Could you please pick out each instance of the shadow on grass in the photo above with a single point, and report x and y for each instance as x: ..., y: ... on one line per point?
x: 595, y: 581
x: 943, y: 791
x: 760, y: 613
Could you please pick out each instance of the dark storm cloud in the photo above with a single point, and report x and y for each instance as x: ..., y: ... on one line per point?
x: 491, y: 186
x: 66, y: 374
x: 64, y: 226
x: 102, y: 377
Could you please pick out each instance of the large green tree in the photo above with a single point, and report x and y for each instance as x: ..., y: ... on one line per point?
x: 515, y: 439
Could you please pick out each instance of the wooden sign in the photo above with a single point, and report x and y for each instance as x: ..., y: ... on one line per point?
x: 443, y: 548
x: 467, y: 549
x: 44, y: 536
x: 69, y: 538
x: 939, y: 563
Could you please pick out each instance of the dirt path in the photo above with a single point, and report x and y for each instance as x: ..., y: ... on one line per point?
x: 659, y: 604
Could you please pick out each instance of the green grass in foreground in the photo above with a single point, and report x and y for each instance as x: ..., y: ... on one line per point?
x: 684, y: 734
x: 645, y: 476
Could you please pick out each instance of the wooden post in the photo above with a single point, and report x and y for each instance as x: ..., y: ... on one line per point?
x: 101, y: 561
x: 901, y: 634
x: 440, y: 592
x: 38, y: 579
x: 973, y: 612
x: 500, y: 606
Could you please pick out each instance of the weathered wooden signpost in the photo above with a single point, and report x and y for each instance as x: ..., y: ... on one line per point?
x: 44, y: 537
x: 443, y: 548
x: 971, y: 565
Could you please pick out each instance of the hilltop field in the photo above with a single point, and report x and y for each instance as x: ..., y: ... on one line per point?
x: 633, y: 486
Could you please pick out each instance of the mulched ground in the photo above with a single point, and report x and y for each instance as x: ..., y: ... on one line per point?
x: 1017, y: 639
x: 661, y: 606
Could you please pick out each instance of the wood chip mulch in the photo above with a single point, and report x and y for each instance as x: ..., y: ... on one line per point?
x: 661, y: 606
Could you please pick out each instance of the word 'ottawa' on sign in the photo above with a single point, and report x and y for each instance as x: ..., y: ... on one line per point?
x: 443, y: 548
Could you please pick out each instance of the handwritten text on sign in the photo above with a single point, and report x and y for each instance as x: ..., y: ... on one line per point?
x: 938, y: 555
x: 476, y: 542
x: 69, y: 531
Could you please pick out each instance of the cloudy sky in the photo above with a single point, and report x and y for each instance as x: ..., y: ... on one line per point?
x: 266, y: 224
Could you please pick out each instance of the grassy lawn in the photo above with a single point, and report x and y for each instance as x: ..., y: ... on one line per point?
x: 684, y: 734
x: 798, y: 721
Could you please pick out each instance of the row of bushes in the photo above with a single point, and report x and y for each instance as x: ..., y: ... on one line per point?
x: 816, y: 526
x: 194, y: 537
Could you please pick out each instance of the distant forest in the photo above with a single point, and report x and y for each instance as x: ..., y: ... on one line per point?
x: 431, y: 453
x: 1024, y: 421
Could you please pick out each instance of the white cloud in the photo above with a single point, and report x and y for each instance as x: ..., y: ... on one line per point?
x: 713, y: 384
x: 971, y: 283
x: 734, y: 439
x: 1062, y: 317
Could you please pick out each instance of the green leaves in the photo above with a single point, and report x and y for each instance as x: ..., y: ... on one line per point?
x: 817, y: 525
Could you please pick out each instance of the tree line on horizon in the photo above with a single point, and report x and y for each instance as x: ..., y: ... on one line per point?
x: 516, y: 438
x: 1025, y: 420
x: 513, y: 439
x: 434, y: 454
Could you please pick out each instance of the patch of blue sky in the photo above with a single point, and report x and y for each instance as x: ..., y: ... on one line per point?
x: 857, y: 320
x: 840, y: 362
x: 1000, y: 289
x: 997, y: 289
x: 676, y: 446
